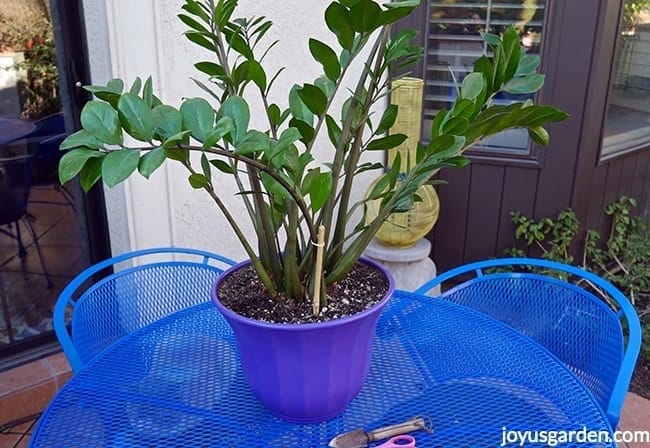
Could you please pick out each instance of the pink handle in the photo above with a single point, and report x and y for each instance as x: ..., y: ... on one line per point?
x: 404, y: 441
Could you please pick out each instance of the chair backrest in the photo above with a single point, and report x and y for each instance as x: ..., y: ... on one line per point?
x: 46, y: 156
x: 598, y: 338
x: 145, y: 286
x: 15, y: 183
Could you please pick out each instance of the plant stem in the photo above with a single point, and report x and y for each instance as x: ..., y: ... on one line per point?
x: 257, y: 264
x: 355, y: 152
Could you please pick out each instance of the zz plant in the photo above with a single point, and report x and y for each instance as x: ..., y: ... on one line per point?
x: 287, y: 194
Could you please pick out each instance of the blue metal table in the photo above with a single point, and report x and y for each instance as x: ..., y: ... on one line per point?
x: 177, y: 383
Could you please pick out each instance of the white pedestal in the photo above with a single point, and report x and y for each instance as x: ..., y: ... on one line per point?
x: 410, y: 266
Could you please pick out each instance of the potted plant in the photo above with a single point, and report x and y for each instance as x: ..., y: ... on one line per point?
x: 303, y: 307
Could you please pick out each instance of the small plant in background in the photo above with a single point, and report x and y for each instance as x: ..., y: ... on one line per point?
x: 39, y: 91
x: 623, y: 257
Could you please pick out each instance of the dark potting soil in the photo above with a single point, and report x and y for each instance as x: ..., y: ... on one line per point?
x: 243, y: 293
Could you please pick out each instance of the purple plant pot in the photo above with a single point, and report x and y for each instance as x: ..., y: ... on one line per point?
x: 305, y: 373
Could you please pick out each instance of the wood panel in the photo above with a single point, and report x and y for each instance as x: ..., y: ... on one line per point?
x: 519, y: 188
x: 448, y: 238
x: 570, y: 59
x: 484, y: 211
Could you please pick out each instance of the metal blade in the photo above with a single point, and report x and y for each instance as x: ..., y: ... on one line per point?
x: 353, y: 439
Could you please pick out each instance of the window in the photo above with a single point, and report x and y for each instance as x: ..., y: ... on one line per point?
x: 454, y: 42
x: 627, y: 125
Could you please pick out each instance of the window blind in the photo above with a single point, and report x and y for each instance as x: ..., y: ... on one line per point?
x: 454, y: 43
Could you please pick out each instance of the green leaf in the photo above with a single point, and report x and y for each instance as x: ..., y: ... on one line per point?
x: 527, y: 65
x: 275, y: 115
x: 249, y: 70
x: 195, y: 25
x: 326, y: 85
x: 473, y: 85
x: 222, y: 166
x: 237, y: 42
x: 205, y: 166
x: 210, y: 69
x: 305, y: 130
x: 197, y: 181
x: 181, y: 137
x: 388, y: 142
x: 195, y: 9
x: 319, y: 189
x: 381, y: 186
x: 137, y: 85
x: 224, y: 126
x: 463, y: 108
x: 151, y: 161
x: 181, y: 155
x: 147, y: 92
x: 337, y: 19
x: 80, y: 138
x: 397, y: 11
x: 368, y: 166
x: 438, y: 121
x: 525, y: 84
x: 333, y: 130
x: 499, y: 68
x: 387, y: 119
x: 274, y: 187
x: 91, y: 173
x: 200, y: 40
x: 198, y: 117
x: 118, y: 165
x: 364, y: 16
x: 73, y: 161
x: 167, y: 121
x: 539, y: 135
x: 253, y: 142
x: 102, y: 121
x: 110, y: 93
x: 400, y: 45
x: 512, y: 51
x: 298, y: 108
x: 237, y: 109
x: 492, y: 39
x: 223, y: 11
x: 455, y: 126
x: 288, y: 137
x: 255, y: 73
x: 136, y: 117
x: 484, y: 66
x: 313, y: 98
x: 326, y: 57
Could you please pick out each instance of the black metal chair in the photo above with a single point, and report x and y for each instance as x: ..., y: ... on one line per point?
x: 15, y: 184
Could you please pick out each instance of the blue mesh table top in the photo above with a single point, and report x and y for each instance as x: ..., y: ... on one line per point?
x: 177, y: 383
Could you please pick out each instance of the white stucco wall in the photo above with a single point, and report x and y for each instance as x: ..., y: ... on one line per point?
x: 140, y: 38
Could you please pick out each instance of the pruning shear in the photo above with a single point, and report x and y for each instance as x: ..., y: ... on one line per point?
x: 399, y: 442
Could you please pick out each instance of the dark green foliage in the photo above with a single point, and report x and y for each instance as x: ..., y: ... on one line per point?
x: 621, y: 257
x: 284, y: 192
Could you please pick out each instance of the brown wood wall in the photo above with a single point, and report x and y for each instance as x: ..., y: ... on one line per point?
x: 578, y: 51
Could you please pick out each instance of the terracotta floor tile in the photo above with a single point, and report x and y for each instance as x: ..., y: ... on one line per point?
x: 27, y: 402
x: 27, y: 375
x: 9, y: 440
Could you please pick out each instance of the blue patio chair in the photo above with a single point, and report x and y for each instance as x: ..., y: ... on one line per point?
x: 559, y: 306
x: 140, y: 287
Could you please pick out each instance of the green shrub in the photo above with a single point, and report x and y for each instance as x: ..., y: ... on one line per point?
x: 623, y: 257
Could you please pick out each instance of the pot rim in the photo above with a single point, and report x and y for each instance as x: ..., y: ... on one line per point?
x: 306, y: 326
